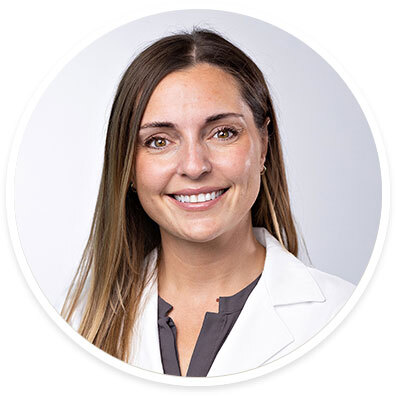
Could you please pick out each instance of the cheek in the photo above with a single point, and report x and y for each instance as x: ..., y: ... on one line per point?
x: 242, y: 166
x: 151, y: 181
x: 149, y: 176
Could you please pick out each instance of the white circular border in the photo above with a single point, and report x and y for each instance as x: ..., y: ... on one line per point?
x: 207, y: 381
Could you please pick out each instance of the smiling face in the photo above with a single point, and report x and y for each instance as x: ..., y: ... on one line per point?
x: 199, y: 155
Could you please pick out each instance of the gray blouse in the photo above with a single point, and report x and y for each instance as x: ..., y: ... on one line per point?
x: 214, y: 331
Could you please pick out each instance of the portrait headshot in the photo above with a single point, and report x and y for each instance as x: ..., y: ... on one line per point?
x: 197, y: 193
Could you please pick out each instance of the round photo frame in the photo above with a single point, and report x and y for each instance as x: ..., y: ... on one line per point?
x: 42, y: 296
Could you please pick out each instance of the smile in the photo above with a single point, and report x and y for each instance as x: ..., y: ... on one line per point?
x: 210, y: 196
x: 200, y: 201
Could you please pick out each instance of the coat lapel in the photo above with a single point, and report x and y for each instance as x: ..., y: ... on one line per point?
x: 258, y: 334
x: 288, y: 280
x: 145, y: 350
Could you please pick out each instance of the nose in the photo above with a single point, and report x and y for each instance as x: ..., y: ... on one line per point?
x: 194, y: 160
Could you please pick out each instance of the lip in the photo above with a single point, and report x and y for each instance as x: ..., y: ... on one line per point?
x: 197, y: 206
x: 196, y: 191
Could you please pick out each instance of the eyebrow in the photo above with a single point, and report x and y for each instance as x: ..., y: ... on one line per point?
x: 212, y: 118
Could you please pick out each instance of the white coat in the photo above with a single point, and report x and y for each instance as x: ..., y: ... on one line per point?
x: 289, y: 305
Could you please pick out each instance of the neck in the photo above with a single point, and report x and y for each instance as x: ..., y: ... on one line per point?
x: 220, y: 267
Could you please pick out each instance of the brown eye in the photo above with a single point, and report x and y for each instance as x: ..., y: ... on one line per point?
x: 225, y: 133
x: 156, y: 142
x: 159, y: 142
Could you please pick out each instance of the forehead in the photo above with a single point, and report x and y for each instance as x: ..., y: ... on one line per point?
x: 194, y: 93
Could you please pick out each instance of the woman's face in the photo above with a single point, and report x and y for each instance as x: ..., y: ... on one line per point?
x: 199, y: 155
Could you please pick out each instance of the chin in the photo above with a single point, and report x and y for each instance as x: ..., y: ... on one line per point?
x: 200, y: 233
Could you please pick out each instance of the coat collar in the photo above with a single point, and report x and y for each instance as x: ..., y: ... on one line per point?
x: 285, y: 280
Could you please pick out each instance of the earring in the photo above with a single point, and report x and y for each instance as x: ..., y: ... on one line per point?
x: 263, y: 170
x: 132, y: 187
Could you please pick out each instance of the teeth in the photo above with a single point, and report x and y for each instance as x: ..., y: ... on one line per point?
x: 199, y: 197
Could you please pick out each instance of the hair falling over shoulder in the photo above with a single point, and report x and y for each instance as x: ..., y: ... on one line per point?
x: 113, y: 273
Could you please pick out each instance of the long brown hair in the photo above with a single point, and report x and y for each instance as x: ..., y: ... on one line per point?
x: 112, y: 267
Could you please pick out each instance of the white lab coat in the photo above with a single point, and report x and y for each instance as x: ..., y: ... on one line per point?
x: 289, y: 305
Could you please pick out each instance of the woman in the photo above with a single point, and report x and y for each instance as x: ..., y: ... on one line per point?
x: 190, y: 267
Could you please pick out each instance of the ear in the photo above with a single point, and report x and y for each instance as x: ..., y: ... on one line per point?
x: 264, y: 142
x: 132, y: 178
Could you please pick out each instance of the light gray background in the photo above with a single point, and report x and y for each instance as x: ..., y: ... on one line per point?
x: 331, y: 158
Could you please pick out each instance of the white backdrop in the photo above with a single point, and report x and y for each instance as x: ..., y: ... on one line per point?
x: 331, y: 158
x: 37, y: 43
